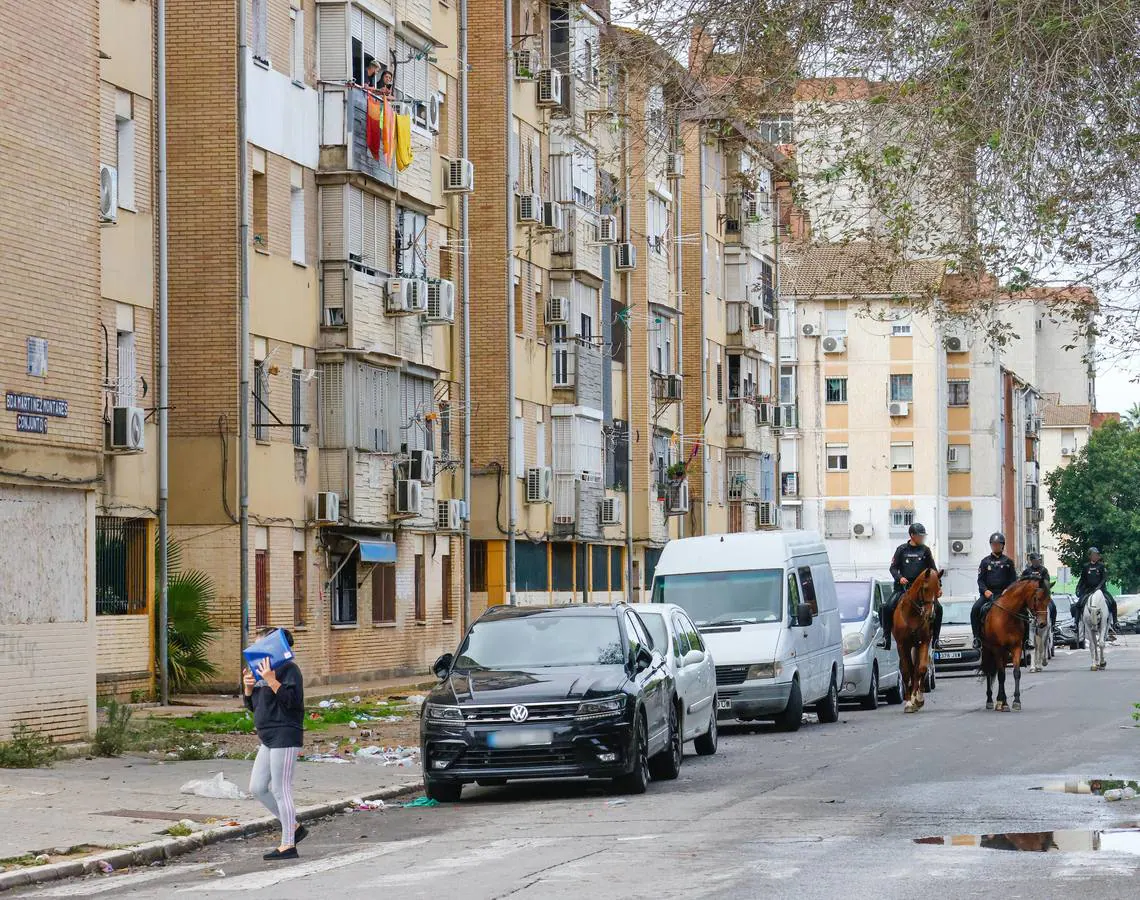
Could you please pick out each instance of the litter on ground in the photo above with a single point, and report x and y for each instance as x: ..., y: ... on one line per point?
x: 216, y: 788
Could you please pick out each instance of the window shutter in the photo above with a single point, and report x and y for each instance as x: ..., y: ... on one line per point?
x: 383, y: 235
x: 260, y: 36
x: 332, y: 220
x: 299, y: 45
x: 355, y: 223
x: 407, y: 435
x: 332, y: 405
x: 535, y: 166
x: 126, y: 375
x: 369, y: 231
x: 515, y: 159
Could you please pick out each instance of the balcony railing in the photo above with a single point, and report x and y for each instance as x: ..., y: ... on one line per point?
x: 787, y: 415
x: 789, y: 484
x: 576, y: 365
x: 344, y: 143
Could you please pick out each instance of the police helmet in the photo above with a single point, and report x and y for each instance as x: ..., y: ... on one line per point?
x: 917, y: 528
x: 997, y: 538
x: 1035, y: 557
x: 1093, y: 551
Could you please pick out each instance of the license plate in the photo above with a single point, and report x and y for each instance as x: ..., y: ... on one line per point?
x: 520, y: 737
x: 723, y: 704
x: 948, y: 654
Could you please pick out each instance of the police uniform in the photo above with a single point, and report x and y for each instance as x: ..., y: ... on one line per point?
x: 1094, y: 576
x: 1038, y: 571
x: 910, y: 561
x: 995, y: 574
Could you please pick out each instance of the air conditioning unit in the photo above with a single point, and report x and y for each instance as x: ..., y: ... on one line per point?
x: 1036, y: 516
x: 834, y: 344
x: 611, y: 511
x: 750, y: 209
x: 557, y: 311
x: 328, y: 508
x: 786, y: 416
x: 677, y: 498
x: 421, y: 466
x: 607, y: 229
x: 435, y: 103
x: 552, y: 217
x: 769, y: 514
x: 810, y: 329
x: 409, y: 497
x: 956, y: 343
x: 960, y: 548
x: 862, y: 530
x: 549, y: 88
x: 755, y: 317
x: 539, y: 484
x: 407, y: 296
x: 898, y: 408
x: 128, y: 428
x: 449, y: 515
x: 1068, y: 451
x: 626, y: 257
x: 764, y: 410
x: 529, y: 208
x: 526, y: 65
x: 675, y: 165
x: 108, y: 194
x: 441, y: 302
x: 458, y: 176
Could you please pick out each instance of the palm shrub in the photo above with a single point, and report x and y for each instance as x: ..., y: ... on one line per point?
x: 190, y: 630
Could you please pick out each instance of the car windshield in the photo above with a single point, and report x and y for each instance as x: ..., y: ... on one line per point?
x: 854, y: 600
x: 655, y: 625
x: 724, y: 598
x: 542, y: 641
x: 956, y: 613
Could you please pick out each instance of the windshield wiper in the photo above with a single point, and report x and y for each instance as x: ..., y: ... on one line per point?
x: 730, y: 621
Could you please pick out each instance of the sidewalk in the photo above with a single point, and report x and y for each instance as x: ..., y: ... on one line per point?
x: 134, y: 799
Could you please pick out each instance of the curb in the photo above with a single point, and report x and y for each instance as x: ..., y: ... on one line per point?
x: 168, y: 848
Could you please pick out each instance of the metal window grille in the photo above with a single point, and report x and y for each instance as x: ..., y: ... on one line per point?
x: 344, y: 592
x: 421, y: 589
x: 837, y: 523
x: 300, y: 606
x: 478, y: 574
x: 122, y: 563
x: 261, y: 578
x: 445, y: 570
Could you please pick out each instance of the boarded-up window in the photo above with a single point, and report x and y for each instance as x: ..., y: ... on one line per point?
x: 261, y: 559
x: 300, y: 600
x: 383, y: 594
x: 445, y: 577
x: 421, y: 589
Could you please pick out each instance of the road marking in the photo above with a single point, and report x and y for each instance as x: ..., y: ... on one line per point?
x: 257, y: 881
x: 89, y: 886
x: 426, y: 871
x: 638, y: 837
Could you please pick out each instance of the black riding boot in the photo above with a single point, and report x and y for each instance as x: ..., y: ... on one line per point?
x: 976, y: 623
x: 936, y: 628
x: 888, y: 621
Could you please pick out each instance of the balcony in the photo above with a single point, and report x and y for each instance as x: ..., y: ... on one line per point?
x: 576, y: 365
x: 576, y: 247
x: 744, y: 424
x: 787, y: 416
x: 790, y: 484
x: 742, y: 216
x: 576, y: 504
x: 748, y: 327
x: 1032, y: 473
x: 344, y: 146
x: 666, y: 388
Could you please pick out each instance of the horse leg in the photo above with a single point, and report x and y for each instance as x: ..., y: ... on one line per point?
x: 1001, y: 697
x: 906, y: 666
x: 1104, y: 642
x: 1039, y: 652
x: 1092, y: 635
x: 1017, y: 688
x: 922, y: 664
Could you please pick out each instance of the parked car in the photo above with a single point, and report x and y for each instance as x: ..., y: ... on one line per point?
x: 868, y: 669
x: 1066, y: 630
x: 691, y: 665
x: 957, y: 651
x: 551, y: 692
x: 765, y: 605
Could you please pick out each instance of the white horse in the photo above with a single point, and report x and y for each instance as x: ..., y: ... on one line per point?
x: 1042, y: 644
x: 1095, y: 621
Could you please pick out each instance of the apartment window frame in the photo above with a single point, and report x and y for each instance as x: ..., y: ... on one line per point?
x: 261, y: 587
x: 902, y: 456
x: 259, y: 198
x: 837, y: 456
x: 123, y: 556
x: 960, y: 524
x: 835, y: 389
x: 901, y: 519
x: 902, y: 387
x: 835, y: 321
x: 384, y: 594
x: 300, y: 589
x: 297, y: 217
x: 125, y: 150
x: 837, y: 524
x: 902, y: 324
x: 126, y: 367
x: 958, y: 392
x: 958, y: 457
x: 260, y: 400
x: 297, y: 45
x: 411, y: 243
x: 420, y: 587
x: 777, y: 129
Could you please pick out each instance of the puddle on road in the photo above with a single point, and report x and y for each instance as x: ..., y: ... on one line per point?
x: 1124, y: 839
x: 1089, y: 786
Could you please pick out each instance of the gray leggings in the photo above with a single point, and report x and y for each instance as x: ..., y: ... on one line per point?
x: 271, y: 782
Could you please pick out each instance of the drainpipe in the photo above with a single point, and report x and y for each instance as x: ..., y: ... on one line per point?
x: 512, y: 475
x: 243, y: 324
x: 627, y: 284
x: 704, y: 338
x: 163, y: 360
x: 675, y: 189
x: 465, y: 287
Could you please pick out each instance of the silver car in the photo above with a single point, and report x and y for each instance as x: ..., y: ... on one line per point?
x: 868, y: 669
x: 691, y: 665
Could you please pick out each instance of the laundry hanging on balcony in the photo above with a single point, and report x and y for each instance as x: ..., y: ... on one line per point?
x: 403, y: 141
x: 374, y: 126
x: 388, y: 132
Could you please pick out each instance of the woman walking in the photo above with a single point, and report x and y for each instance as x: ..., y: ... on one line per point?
x: 277, y: 699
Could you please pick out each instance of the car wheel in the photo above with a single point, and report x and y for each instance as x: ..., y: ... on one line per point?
x: 792, y: 716
x: 930, y: 682
x: 871, y: 700
x: 705, y: 744
x: 828, y: 708
x: 666, y: 765
x: 443, y: 791
x: 895, y: 695
x: 636, y: 781
x: 491, y: 782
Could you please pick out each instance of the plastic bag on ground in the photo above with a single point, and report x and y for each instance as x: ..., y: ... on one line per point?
x: 216, y: 788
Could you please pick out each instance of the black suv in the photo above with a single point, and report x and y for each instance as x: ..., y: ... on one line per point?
x: 550, y: 692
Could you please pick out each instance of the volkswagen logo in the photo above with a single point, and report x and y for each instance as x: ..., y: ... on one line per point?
x: 519, y: 713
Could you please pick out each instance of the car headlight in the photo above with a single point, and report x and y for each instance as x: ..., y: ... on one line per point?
x: 854, y: 642
x: 763, y: 670
x: 439, y: 713
x: 600, y: 709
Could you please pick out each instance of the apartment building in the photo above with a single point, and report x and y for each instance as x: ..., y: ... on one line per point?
x: 561, y: 281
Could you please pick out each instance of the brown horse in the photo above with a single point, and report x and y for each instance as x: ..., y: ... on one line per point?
x: 914, y: 618
x: 1003, y: 634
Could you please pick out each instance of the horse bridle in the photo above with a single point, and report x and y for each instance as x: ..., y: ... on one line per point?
x: 1028, y: 617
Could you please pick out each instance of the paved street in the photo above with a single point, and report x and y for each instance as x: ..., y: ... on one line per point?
x: 831, y: 811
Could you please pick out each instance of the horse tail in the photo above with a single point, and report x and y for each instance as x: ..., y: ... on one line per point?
x: 989, y: 663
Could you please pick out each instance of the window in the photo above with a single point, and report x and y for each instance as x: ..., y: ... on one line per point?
x: 297, y: 215
x: 478, y: 574
x: 260, y: 399
x: 445, y: 411
x: 902, y: 457
x: 787, y: 384
x: 125, y: 146
x: 421, y: 589
x: 837, y: 524
x: 657, y: 224
x: 793, y: 595
x: 445, y: 586
x: 902, y: 388
x: 260, y: 211
x: 300, y: 593
x: 377, y: 428
x: 412, y: 244
x: 958, y: 457
x: 520, y: 448
x: 260, y: 31
x: 370, y: 238
x: 836, y: 457
x: 344, y: 590
x: 777, y: 129
x: 261, y: 578
x: 901, y: 520
x: 836, y: 390
x: 719, y: 379
x: 370, y: 43
x: 807, y: 584
x: 959, y: 393
x: 540, y: 441
x: 961, y: 524
x: 298, y: 49
x: 298, y: 427
x: 835, y: 322
x: 417, y: 401
x: 125, y: 383
x: 530, y: 567
x: 384, y: 594
x: 122, y: 556
x: 901, y: 324
x: 638, y: 636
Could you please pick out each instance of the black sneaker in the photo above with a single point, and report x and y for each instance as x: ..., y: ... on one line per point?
x: 276, y: 854
x: 300, y: 834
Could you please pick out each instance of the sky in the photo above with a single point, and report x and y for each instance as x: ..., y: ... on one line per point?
x: 1115, y: 392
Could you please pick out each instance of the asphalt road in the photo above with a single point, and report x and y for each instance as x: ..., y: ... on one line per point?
x: 831, y: 811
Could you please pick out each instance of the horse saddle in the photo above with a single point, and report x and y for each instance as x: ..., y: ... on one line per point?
x: 986, y: 607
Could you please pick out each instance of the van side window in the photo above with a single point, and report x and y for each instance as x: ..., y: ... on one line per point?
x: 808, y: 585
x: 793, y: 596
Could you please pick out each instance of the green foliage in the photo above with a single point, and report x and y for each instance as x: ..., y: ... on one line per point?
x: 240, y: 722
x: 112, y: 737
x: 1132, y: 417
x: 179, y: 830
x: 190, y: 629
x: 28, y: 749
x: 1096, y: 502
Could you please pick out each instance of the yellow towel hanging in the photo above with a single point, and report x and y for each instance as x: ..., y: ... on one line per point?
x: 404, y: 154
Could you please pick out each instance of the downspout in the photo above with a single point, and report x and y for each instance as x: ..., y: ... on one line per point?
x: 243, y: 324
x: 676, y: 190
x: 512, y: 475
x: 465, y: 287
x: 163, y: 361
x: 778, y: 487
x: 704, y: 339
x: 627, y: 283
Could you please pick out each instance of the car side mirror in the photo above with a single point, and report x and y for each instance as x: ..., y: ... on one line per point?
x: 693, y: 658
x: 442, y: 666
x: 643, y: 659
x: 803, y: 615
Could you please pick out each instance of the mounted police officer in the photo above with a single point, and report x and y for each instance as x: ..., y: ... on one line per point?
x: 1094, y: 576
x: 995, y: 573
x: 1036, y: 569
x: 910, y: 560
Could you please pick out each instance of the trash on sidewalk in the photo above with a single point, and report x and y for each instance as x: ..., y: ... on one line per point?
x: 1115, y: 794
x: 421, y: 802
x: 105, y: 867
x: 216, y: 788
x: 617, y: 801
x: 365, y: 805
x: 325, y: 758
x: 416, y: 700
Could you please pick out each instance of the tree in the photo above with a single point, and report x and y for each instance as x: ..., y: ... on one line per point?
x: 1096, y: 503
x: 1132, y: 417
x: 190, y: 629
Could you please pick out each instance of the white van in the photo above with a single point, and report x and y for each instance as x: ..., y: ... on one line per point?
x: 765, y: 603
